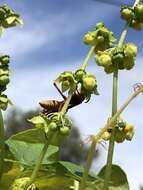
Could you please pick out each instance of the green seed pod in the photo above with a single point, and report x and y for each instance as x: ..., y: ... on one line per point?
x: 128, y: 63
x: 4, y: 80
x: 119, y: 136
x: 104, y: 59
x: 53, y: 126
x: 136, y: 25
x: 79, y: 74
x: 99, y: 25
x: 129, y: 136
x: 130, y: 50
x: 64, y: 130
x: 127, y: 14
x: 139, y: 12
x: 108, y: 69
x: 89, y: 83
x: 106, y: 136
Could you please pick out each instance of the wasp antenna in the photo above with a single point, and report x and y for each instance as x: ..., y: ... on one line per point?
x: 64, y: 97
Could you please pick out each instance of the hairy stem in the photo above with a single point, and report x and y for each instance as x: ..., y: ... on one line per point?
x: 2, y: 145
x: 88, y: 164
x: 85, y: 63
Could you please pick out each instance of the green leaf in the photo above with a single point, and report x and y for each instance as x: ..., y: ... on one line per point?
x: 118, y: 179
x: 27, y: 153
x: 31, y: 136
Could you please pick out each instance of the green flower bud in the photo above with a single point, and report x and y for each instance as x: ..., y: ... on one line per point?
x: 4, y: 59
x: 129, y: 136
x: 3, y: 102
x: 64, y: 130
x: 90, y: 38
x: 104, y: 59
x: 99, y: 25
x: 136, y: 25
x: 130, y: 50
x: 139, y: 12
x: 79, y: 74
x: 128, y: 63
x: 108, y: 69
x: 89, y: 83
x: 119, y: 136
x: 127, y: 14
x: 106, y: 136
x: 100, y: 39
x: 129, y: 128
x: 53, y: 126
x: 118, y: 58
x: 4, y: 80
x: 2, y: 13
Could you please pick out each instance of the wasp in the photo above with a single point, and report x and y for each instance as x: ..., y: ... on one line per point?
x: 51, y: 106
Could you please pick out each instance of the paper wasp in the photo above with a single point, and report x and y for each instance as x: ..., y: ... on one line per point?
x: 51, y: 106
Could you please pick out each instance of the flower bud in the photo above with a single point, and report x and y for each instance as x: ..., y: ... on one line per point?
x: 119, y: 136
x: 139, y: 12
x: 108, y: 69
x: 103, y: 59
x: 90, y: 38
x: 129, y: 136
x: 130, y: 50
x: 99, y: 25
x: 106, y: 136
x: 128, y: 63
x: 64, y: 130
x: 4, y: 80
x: 136, y: 25
x: 127, y: 14
x: 79, y: 74
x: 89, y: 83
x: 53, y: 126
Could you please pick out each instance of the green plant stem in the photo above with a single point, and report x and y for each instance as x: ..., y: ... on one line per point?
x: 114, y: 110
x: 2, y: 144
x: 85, y: 63
x: 88, y: 164
x: 114, y: 118
x: 38, y: 164
x: 66, y: 104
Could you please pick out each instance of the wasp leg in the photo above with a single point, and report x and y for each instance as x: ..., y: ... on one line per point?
x: 64, y: 97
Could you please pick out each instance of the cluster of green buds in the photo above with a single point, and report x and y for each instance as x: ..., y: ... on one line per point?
x: 123, y: 131
x: 124, y: 58
x: 56, y: 126
x: 4, y: 80
x: 72, y: 80
x: 8, y: 18
x: 101, y: 38
x: 133, y: 15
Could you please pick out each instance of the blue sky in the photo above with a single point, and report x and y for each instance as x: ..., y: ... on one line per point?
x: 51, y: 42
